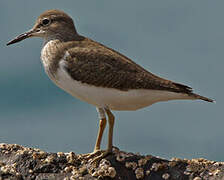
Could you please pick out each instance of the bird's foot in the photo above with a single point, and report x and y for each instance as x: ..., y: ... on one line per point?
x: 98, y: 158
x: 92, y: 154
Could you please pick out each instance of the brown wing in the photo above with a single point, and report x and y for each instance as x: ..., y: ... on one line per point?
x: 98, y: 65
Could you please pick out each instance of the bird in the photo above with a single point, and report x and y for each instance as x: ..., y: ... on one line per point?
x: 97, y: 74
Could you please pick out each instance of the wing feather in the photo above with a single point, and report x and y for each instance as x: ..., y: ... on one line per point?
x: 101, y: 66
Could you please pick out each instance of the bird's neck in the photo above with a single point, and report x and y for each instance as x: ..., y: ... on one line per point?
x: 54, y: 49
x: 51, y: 54
x: 62, y: 37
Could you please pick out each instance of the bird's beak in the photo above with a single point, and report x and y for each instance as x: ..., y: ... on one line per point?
x: 22, y: 37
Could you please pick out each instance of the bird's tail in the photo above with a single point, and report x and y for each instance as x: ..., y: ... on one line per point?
x: 189, y: 91
x: 197, y: 96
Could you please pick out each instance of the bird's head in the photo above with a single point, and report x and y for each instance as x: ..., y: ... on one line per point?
x: 52, y: 24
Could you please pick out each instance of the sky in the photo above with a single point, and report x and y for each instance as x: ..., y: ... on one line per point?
x: 177, y: 40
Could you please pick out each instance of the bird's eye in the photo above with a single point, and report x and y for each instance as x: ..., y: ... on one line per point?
x: 46, y: 22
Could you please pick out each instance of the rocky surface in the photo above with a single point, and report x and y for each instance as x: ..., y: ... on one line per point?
x: 18, y: 162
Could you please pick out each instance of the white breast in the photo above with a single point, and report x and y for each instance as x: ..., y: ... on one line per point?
x: 109, y: 97
x: 45, y: 52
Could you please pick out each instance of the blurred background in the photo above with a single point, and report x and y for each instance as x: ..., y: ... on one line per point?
x: 178, y: 40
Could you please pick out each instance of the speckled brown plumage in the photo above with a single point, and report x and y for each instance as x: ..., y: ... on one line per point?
x: 95, y: 64
x: 91, y: 62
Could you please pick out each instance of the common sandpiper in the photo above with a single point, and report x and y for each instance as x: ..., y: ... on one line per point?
x: 97, y: 74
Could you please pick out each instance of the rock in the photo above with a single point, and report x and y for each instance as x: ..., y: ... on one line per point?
x: 18, y: 163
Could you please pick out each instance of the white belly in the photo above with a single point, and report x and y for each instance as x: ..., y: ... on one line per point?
x: 112, y: 98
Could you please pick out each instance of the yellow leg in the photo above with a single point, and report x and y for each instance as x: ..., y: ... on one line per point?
x: 102, y: 126
x: 111, y: 128
x: 99, y: 137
